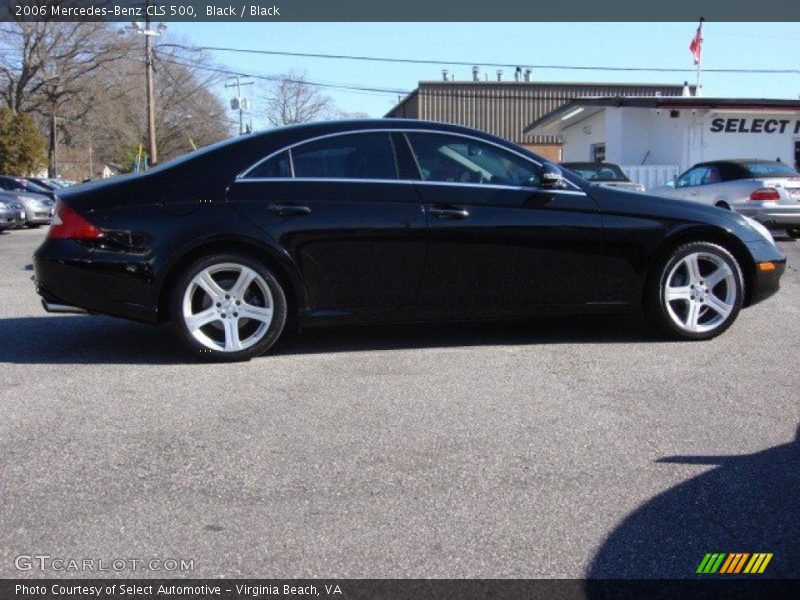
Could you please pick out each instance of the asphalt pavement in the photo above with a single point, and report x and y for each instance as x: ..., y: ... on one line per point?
x: 556, y: 448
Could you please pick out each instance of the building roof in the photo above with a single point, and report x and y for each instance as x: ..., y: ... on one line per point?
x: 581, y: 108
x: 504, y: 108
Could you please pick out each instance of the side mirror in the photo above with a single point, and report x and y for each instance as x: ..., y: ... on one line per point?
x: 552, y: 176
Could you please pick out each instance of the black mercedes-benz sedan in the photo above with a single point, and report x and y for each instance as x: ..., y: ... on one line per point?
x: 388, y: 220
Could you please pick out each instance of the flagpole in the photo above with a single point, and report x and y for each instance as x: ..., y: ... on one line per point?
x: 698, y: 86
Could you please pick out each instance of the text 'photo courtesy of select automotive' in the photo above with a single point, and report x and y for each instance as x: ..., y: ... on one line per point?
x: 359, y: 301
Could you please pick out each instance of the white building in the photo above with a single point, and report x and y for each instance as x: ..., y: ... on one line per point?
x: 655, y: 138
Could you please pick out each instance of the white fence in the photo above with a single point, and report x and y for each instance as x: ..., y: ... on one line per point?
x: 651, y: 176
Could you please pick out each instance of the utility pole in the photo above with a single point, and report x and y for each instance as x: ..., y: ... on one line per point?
x: 52, y: 159
x: 240, y: 104
x: 148, y: 33
x: 151, y: 117
x: 52, y: 151
x: 53, y: 171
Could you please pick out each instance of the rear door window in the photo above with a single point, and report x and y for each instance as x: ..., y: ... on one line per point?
x: 276, y: 167
x: 352, y: 156
x: 712, y: 176
x: 692, y: 177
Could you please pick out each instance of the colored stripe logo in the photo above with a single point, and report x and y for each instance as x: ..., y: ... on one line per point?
x: 734, y: 563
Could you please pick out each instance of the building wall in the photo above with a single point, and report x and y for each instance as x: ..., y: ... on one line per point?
x: 552, y: 152
x: 707, y: 144
x: 579, y: 138
x: 506, y: 108
x: 643, y: 136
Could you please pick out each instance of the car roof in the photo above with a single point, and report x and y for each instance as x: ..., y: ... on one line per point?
x: 262, y: 142
x: 739, y: 161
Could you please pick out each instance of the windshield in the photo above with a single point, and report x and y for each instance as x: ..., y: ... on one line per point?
x: 597, y: 172
x: 771, y: 169
x: 31, y: 186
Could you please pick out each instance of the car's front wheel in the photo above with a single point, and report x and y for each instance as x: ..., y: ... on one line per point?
x: 794, y: 232
x: 695, y: 292
x: 228, y: 307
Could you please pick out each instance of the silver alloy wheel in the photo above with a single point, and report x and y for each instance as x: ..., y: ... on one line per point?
x: 228, y: 307
x: 700, y: 292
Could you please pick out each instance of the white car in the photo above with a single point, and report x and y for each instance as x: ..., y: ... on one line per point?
x: 604, y: 174
x: 766, y: 191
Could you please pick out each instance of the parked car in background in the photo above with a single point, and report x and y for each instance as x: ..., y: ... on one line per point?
x: 12, y: 212
x: 605, y: 174
x: 10, y: 183
x: 53, y: 185
x: 767, y: 191
x: 388, y: 220
x: 38, y: 208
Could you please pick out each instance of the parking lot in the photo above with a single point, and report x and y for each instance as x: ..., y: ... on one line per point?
x: 556, y: 448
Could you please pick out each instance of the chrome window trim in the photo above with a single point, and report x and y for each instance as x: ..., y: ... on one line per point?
x: 243, y: 175
x: 291, y: 162
x: 410, y: 148
x: 480, y: 186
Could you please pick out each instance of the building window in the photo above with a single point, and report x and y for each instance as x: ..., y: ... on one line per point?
x: 797, y: 155
x: 598, y: 153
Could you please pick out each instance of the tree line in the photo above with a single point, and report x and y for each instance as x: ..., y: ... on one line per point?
x: 73, y: 99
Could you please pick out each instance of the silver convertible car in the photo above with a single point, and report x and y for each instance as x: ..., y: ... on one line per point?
x: 767, y: 191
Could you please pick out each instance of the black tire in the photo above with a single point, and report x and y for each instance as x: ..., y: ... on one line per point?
x: 655, y: 304
x: 793, y: 232
x: 33, y: 225
x: 179, y: 290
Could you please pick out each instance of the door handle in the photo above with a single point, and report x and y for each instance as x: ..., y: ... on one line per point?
x: 289, y: 209
x: 449, y: 213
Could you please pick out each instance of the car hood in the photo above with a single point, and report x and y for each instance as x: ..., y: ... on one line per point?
x: 26, y: 196
x: 620, y: 184
x: 617, y: 201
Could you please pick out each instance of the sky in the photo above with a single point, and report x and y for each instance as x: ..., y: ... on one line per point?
x: 726, y: 45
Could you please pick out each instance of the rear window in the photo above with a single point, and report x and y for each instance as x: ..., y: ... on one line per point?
x: 775, y: 169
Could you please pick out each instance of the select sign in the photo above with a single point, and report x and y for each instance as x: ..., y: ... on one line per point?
x: 739, y: 125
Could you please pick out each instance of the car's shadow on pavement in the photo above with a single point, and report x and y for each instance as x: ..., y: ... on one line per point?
x: 83, y: 339
x: 744, y: 503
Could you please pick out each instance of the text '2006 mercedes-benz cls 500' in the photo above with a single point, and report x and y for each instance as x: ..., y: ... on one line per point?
x: 389, y: 221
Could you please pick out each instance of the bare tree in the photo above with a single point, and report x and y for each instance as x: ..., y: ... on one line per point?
x: 188, y: 112
x: 45, y: 66
x: 290, y: 100
x: 92, y: 79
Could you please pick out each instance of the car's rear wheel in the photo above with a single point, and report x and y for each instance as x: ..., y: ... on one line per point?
x: 695, y: 292
x: 794, y: 232
x: 228, y: 307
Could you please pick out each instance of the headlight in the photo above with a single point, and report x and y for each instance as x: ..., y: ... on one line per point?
x: 4, y: 206
x: 760, y: 229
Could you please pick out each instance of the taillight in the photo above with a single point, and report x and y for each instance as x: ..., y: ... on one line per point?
x: 66, y: 224
x: 765, y: 194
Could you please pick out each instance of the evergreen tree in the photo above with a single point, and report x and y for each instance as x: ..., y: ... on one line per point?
x: 22, y: 147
